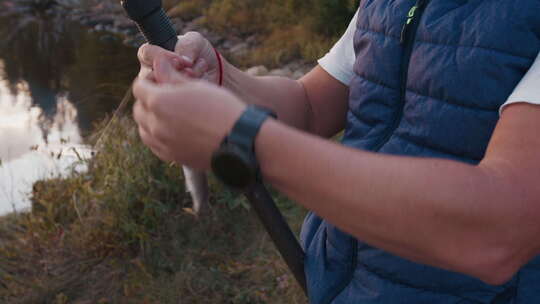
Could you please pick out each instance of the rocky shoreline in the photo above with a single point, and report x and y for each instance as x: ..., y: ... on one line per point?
x: 109, y: 18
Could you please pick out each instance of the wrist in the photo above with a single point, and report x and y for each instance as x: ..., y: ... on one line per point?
x: 231, y: 78
x: 265, y: 148
x: 235, y: 162
x: 249, y: 89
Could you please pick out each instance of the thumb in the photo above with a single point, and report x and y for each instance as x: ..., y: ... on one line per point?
x: 190, y: 46
x: 165, y: 71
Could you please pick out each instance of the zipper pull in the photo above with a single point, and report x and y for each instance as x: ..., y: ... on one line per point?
x: 413, y: 12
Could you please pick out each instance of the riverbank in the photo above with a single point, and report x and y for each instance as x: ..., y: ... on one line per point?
x: 122, y: 233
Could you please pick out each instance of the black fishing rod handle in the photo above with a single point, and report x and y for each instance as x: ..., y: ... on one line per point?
x: 152, y: 22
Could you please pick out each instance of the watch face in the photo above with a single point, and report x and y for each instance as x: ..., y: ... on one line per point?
x: 234, y: 169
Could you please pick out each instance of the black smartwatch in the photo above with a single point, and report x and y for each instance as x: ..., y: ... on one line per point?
x: 235, y: 163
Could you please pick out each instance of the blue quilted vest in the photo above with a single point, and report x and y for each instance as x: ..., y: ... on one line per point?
x: 428, y: 82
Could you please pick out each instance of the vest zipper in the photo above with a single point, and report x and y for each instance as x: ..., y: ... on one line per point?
x: 408, y: 34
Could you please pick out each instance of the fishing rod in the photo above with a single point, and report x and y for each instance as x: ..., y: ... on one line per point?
x: 158, y: 30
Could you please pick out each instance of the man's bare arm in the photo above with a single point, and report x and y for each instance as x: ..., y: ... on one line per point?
x: 317, y: 103
x: 479, y: 220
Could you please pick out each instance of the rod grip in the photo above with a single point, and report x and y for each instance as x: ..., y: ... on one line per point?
x: 152, y: 22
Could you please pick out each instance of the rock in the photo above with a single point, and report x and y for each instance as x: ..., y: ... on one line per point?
x: 108, y: 38
x: 178, y: 24
x: 215, y: 39
x: 257, y: 71
x: 90, y: 22
x: 111, y: 29
x: 129, y: 32
x: 123, y: 24
x: 231, y: 42
x: 293, y: 66
x: 285, y: 72
x: 194, y: 25
x: 297, y: 75
x: 126, y: 27
x: 69, y: 3
x: 239, y: 49
x: 252, y: 40
x: 135, y: 41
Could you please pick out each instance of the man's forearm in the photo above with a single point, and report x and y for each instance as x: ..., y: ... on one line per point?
x: 437, y: 212
x: 287, y: 97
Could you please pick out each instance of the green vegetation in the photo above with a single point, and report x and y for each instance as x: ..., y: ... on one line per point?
x: 285, y: 29
x: 121, y: 233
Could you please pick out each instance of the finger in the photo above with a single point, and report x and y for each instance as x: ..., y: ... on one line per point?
x: 146, y: 92
x: 146, y: 72
x: 198, y: 70
x: 145, y: 136
x: 145, y: 119
x: 190, y: 45
x: 162, y: 154
x: 159, y: 150
x: 200, y: 67
x: 138, y: 114
x: 148, y: 53
x: 149, y: 141
x: 165, y: 72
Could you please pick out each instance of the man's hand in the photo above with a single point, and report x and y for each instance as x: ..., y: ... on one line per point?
x: 317, y: 103
x: 194, y: 57
x: 182, y: 119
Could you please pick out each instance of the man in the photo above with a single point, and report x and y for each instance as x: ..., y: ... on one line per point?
x: 433, y: 196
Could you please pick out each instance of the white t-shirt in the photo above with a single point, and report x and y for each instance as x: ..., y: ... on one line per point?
x: 340, y: 60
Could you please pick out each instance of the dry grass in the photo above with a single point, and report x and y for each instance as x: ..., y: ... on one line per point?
x: 119, y: 234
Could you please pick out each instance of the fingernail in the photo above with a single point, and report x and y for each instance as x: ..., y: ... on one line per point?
x: 161, y: 70
x: 186, y: 58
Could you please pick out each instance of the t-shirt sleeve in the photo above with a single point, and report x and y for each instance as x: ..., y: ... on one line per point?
x: 340, y: 60
x: 528, y: 89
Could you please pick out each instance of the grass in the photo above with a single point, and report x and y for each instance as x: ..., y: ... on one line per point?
x: 119, y: 233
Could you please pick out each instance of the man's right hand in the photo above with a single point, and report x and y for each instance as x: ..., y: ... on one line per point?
x: 194, y: 56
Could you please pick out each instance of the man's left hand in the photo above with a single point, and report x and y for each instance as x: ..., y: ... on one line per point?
x: 181, y: 119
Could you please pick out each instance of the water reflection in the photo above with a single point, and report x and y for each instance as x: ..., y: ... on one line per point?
x: 56, y: 81
x: 28, y: 150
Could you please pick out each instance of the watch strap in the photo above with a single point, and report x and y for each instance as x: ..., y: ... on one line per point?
x: 248, y: 126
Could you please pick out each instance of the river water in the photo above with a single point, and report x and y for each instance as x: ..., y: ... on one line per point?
x: 56, y: 81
